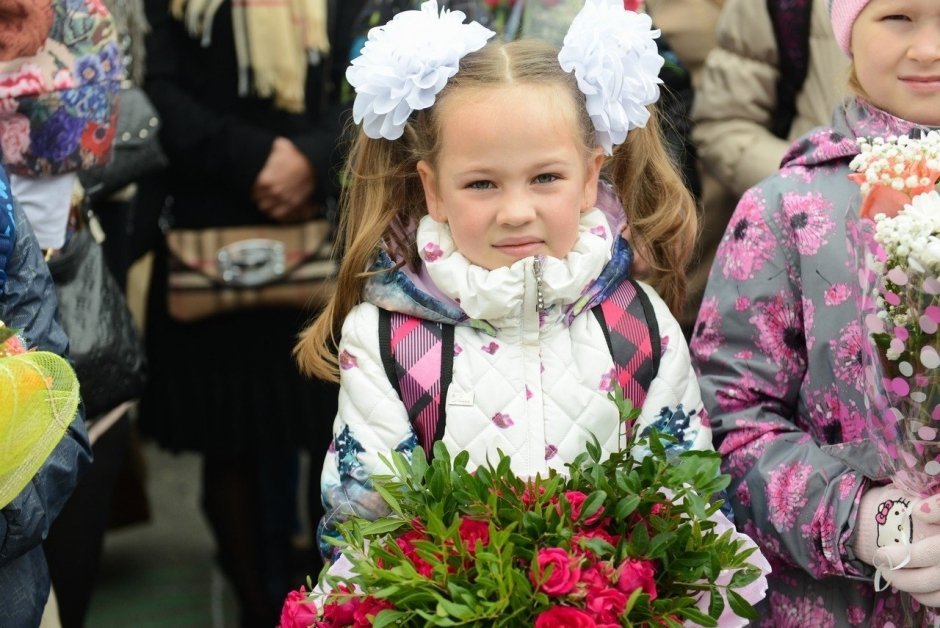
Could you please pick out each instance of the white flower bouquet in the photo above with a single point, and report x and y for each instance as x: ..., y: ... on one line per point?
x: 899, y: 235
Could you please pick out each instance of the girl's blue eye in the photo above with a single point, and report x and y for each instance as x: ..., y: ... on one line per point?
x: 545, y: 178
x: 480, y: 185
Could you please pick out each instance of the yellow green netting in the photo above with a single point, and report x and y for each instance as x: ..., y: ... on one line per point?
x: 38, y: 399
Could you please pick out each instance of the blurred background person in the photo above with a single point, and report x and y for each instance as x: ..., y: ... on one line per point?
x: 248, y: 98
x: 772, y: 76
x: 59, y: 79
x: 28, y: 304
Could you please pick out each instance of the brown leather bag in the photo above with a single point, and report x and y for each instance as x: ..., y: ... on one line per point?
x: 223, y: 269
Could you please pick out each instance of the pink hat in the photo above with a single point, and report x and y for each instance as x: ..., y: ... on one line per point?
x: 844, y: 13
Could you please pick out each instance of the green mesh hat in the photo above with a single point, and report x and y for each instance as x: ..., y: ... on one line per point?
x: 38, y: 399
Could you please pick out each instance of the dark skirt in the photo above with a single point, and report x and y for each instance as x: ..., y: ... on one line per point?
x: 229, y: 384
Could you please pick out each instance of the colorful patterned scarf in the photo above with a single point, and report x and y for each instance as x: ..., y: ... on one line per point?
x: 275, y: 40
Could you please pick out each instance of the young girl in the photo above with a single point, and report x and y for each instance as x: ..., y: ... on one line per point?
x: 778, y: 345
x: 481, y: 211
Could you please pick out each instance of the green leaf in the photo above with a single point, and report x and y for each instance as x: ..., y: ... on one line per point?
x: 626, y: 507
x: 381, y: 526
x: 740, y: 606
x: 716, y: 605
x: 388, y: 617
x: 744, y: 577
x: 696, y: 616
x: 592, y: 504
x: 390, y: 499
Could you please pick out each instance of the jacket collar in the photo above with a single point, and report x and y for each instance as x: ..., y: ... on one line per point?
x: 487, y: 299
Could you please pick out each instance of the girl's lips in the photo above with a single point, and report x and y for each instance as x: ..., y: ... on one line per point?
x: 519, y: 247
x: 922, y: 83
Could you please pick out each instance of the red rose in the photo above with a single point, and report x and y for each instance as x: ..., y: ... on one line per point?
x: 297, y: 611
x: 564, y: 617
x: 607, y: 605
x: 406, y: 543
x: 637, y: 574
x: 472, y: 531
x: 338, y: 612
x: 563, y: 571
x: 576, y: 500
x: 368, y: 609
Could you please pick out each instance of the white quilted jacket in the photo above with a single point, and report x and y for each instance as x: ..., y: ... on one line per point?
x: 536, y: 390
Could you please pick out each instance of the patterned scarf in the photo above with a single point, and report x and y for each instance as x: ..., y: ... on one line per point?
x: 275, y: 40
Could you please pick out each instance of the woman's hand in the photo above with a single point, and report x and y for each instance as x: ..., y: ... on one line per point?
x: 285, y: 184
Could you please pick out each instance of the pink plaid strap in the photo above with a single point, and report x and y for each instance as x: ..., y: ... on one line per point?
x: 418, y: 356
x: 632, y: 333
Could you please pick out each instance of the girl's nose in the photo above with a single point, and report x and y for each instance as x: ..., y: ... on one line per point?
x: 925, y: 46
x: 517, y: 209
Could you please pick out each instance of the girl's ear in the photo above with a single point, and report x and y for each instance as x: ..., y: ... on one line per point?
x: 594, y: 165
x: 431, y: 198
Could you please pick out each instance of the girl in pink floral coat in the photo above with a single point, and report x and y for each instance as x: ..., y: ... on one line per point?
x: 777, y: 345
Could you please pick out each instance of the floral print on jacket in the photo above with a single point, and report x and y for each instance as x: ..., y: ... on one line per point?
x: 777, y: 348
x: 58, y: 106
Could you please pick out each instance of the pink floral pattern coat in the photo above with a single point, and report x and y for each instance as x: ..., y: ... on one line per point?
x: 777, y: 349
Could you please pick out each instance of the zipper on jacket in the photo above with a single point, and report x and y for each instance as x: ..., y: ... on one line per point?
x: 537, y: 271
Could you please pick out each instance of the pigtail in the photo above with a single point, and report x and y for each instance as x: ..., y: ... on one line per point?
x: 659, y: 209
x: 381, y: 195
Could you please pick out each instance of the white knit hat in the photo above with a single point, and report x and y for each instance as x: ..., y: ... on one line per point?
x: 844, y: 13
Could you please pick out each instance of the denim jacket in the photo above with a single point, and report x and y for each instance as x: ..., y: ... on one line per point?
x: 28, y: 303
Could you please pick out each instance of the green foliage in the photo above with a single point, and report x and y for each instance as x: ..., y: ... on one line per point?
x: 654, y: 510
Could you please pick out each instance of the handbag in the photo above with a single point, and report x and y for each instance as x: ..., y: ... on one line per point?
x: 104, y: 345
x: 136, y: 147
x: 224, y: 269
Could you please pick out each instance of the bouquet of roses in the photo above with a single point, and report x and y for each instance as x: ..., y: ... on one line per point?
x: 899, y: 238
x: 626, y: 541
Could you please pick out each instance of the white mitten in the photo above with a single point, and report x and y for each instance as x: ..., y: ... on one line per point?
x: 899, y: 534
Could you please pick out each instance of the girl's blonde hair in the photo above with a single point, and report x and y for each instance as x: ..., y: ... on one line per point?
x: 384, y: 199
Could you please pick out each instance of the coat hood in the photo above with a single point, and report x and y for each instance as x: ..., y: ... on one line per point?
x: 855, y: 118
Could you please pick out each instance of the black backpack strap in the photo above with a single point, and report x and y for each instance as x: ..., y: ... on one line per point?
x: 632, y: 335
x: 418, y: 358
x: 791, y: 24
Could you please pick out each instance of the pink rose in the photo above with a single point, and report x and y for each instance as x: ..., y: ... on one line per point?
x: 597, y: 577
x: 472, y: 531
x: 632, y: 5
x: 607, y: 605
x: 564, y: 617
x: 562, y: 571
x: 297, y: 611
x: 637, y: 574
x: 368, y: 609
x: 576, y: 500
